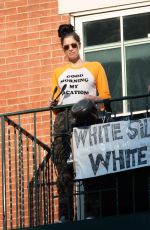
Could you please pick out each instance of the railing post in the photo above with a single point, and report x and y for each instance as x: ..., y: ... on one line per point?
x: 52, y: 158
x: 3, y: 173
x: 35, y: 184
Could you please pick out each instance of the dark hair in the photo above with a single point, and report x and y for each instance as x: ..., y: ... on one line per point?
x: 66, y: 30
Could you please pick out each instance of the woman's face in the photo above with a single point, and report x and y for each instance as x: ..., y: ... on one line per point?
x: 71, y: 48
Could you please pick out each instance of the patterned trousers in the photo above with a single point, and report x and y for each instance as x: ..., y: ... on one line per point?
x: 62, y: 150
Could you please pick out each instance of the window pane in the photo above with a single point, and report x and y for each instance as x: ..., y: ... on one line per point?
x: 138, y: 72
x: 101, y: 32
x: 111, y: 61
x: 137, y: 26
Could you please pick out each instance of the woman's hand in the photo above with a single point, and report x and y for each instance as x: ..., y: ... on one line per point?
x: 53, y: 102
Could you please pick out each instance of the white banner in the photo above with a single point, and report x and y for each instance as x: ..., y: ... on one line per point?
x: 111, y: 147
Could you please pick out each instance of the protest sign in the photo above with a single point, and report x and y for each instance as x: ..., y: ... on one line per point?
x: 111, y: 147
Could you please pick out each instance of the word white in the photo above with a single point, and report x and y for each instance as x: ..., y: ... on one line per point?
x: 104, y: 133
x: 128, y: 158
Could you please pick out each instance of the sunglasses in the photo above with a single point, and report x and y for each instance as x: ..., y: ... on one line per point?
x: 73, y: 45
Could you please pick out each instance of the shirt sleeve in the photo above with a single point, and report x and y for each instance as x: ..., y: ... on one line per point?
x: 54, y: 84
x: 102, y: 83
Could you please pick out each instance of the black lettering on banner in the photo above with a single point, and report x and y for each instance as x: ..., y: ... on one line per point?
x: 120, y: 159
x: 128, y: 153
x: 146, y: 129
x: 100, y: 134
x: 93, y: 135
x: 132, y: 132
x: 141, y: 129
x: 115, y: 131
x: 99, y: 159
x: 80, y: 136
x: 106, y: 131
x: 141, y: 155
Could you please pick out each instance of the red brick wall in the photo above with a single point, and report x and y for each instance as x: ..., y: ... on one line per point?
x: 29, y: 51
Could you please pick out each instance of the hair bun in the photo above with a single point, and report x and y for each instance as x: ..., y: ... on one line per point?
x: 65, y: 29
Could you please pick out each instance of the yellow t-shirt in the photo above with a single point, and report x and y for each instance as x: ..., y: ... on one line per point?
x: 87, y: 79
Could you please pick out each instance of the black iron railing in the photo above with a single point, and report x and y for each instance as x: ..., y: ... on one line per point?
x: 29, y: 194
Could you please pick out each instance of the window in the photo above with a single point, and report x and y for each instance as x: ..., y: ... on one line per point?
x: 122, y: 44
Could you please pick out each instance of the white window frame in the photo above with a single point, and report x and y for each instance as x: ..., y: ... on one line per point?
x: 78, y: 22
x: 78, y: 6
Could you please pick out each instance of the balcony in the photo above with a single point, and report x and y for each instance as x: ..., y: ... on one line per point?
x: 29, y: 197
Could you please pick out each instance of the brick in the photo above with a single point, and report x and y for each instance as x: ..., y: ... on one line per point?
x: 2, y: 61
x: 34, y: 70
x: 45, y: 90
x: 21, y: 100
x: 10, y: 39
x: 11, y: 88
x: 39, y: 13
x: 57, y: 53
x: 3, y: 95
x: 2, y: 34
x: 34, y: 76
x: 46, y: 5
x: 45, y: 20
x: 43, y: 27
x: 28, y: 36
x: 32, y: 2
x: 10, y: 25
x: 28, y: 50
x: 3, y: 102
x: 10, y: 4
x: 46, y: 75
x: 8, y: 81
x: 36, y: 104
x: 2, y: 19
x: 47, y: 68
x: 6, y: 67
x: 28, y: 8
x: 14, y: 59
x: 19, y: 72
x: 53, y: 11
x: 12, y: 94
x: 23, y: 23
x: 35, y: 91
x: 45, y: 48
x: 34, y: 21
x: 55, y: 25
x: 11, y: 11
x: 2, y: 5
x: 45, y: 62
x: 28, y: 64
x: 56, y: 60
x: 17, y: 45
x: 8, y: 53
x: 42, y: 55
x: 37, y: 97
x: 34, y: 42
x: 45, y: 34
x: 16, y: 17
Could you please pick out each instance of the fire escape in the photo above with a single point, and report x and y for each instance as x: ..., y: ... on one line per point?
x: 28, y: 191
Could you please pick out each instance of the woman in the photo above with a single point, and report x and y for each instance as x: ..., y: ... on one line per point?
x: 82, y: 80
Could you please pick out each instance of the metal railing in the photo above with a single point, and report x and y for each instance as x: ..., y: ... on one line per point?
x: 29, y: 194
x: 27, y: 172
